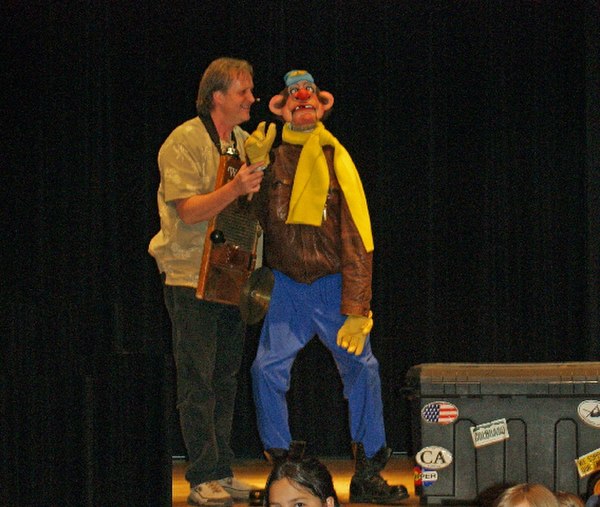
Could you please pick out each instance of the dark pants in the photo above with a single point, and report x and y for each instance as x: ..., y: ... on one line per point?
x: 208, y: 343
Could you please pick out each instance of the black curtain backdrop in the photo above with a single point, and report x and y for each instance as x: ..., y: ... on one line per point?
x: 475, y: 126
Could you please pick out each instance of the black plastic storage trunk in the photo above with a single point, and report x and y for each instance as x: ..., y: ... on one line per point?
x: 551, y: 412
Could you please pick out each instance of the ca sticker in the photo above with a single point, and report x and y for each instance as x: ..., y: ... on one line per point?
x: 434, y: 457
x: 589, y: 412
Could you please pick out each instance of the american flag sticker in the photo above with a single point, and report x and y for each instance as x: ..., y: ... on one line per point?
x: 439, y: 412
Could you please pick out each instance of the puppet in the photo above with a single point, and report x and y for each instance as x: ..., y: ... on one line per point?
x: 319, y: 245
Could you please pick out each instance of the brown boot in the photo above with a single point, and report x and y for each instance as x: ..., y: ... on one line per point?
x: 276, y: 456
x: 296, y: 451
x: 367, y: 485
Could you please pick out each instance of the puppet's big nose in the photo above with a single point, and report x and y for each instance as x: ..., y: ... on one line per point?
x: 302, y: 94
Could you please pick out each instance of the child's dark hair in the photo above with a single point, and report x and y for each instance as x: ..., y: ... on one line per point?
x: 308, y: 473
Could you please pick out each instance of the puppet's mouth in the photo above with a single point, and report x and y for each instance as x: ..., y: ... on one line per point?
x: 303, y: 106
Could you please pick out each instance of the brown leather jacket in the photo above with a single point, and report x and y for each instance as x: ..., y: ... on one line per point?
x: 304, y: 252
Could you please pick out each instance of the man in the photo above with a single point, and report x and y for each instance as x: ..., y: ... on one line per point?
x: 319, y: 244
x: 207, y: 337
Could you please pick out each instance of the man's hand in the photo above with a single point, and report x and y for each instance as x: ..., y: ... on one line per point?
x: 248, y: 178
x: 258, y: 145
x: 353, y: 333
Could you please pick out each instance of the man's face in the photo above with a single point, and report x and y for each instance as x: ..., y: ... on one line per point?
x: 235, y: 103
x: 302, y: 108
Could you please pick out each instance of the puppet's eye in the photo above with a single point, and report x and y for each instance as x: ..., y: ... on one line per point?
x: 293, y: 90
x: 310, y: 88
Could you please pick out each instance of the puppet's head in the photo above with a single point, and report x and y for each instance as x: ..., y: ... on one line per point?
x: 301, y: 103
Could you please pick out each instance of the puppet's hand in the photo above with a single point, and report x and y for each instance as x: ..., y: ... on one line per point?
x: 353, y: 333
x: 258, y: 145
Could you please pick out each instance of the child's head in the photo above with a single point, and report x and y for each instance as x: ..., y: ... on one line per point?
x: 304, y: 481
x: 527, y: 495
x: 567, y: 499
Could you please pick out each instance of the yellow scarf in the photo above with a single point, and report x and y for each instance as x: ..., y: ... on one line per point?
x: 311, y: 182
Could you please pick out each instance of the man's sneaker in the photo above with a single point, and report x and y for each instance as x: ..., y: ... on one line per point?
x: 209, y: 494
x: 239, y: 491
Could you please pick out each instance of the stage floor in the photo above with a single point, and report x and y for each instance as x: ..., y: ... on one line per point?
x: 399, y: 470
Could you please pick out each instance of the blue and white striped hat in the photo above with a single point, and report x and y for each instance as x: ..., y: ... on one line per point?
x: 294, y: 76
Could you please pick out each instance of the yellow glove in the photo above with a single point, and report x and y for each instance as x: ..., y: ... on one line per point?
x: 258, y: 145
x: 353, y: 333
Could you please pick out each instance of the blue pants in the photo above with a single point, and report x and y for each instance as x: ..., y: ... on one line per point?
x: 297, y: 312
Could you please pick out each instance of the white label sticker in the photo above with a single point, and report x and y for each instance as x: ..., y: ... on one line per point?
x: 429, y: 476
x: 424, y: 477
x: 489, y: 433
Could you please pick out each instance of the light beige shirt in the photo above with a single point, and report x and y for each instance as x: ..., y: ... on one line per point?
x: 188, y: 162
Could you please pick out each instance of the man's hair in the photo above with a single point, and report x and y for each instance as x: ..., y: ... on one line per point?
x: 219, y: 76
x: 307, y: 473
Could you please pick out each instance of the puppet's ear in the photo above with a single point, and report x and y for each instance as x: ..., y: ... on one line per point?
x: 329, y: 102
x: 274, y: 105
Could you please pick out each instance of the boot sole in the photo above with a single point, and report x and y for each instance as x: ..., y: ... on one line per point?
x: 211, y: 503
